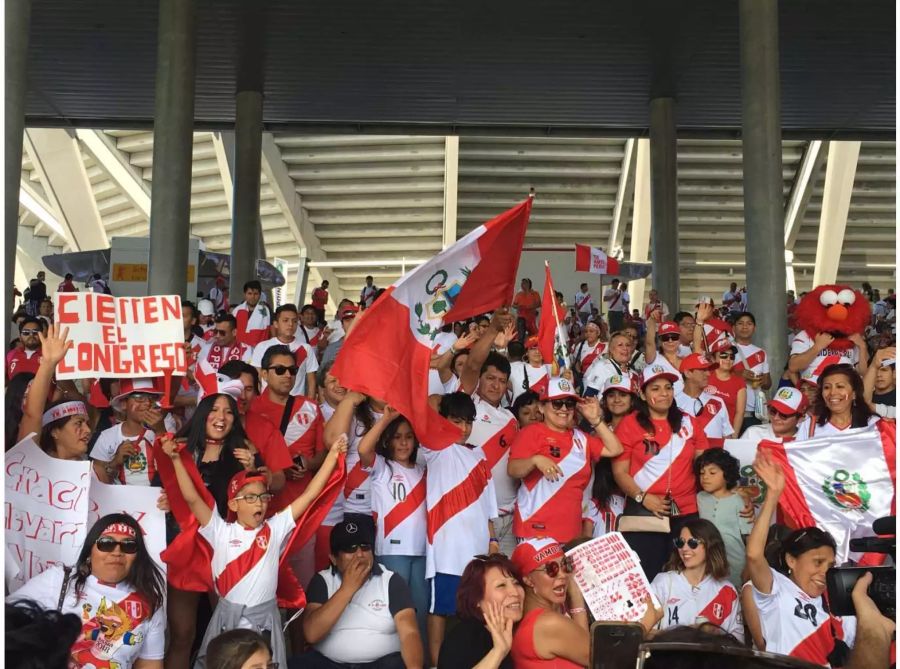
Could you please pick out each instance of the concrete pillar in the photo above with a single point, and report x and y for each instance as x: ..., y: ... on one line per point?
x: 664, y: 200
x: 173, y: 143
x: 18, y: 24
x: 248, y: 128
x: 763, y: 196
x: 641, y: 220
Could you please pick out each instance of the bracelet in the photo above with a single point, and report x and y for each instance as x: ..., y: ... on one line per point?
x: 577, y: 610
x: 597, y: 424
x: 453, y: 351
x: 500, y: 350
x: 494, y: 540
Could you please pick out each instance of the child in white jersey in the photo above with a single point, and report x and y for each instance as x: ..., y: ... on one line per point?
x: 388, y: 452
x: 246, y: 553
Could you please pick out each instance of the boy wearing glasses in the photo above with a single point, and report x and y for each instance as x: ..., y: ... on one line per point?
x: 247, y: 548
x: 28, y: 357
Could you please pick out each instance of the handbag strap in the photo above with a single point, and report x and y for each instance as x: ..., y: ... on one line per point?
x: 286, y: 414
x: 67, y: 575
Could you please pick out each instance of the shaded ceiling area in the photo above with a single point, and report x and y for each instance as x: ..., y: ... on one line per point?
x: 528, y: 68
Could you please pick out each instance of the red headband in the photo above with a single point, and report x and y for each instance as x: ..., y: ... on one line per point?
x: 119, y: 528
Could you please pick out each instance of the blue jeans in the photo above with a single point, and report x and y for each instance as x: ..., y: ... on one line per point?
x: 412, y: 569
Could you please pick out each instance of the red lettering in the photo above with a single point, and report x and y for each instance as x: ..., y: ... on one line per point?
x: 150, y: 309
x: 106, y: 309
x: 63, y: 368
x: 121, y: 337
x: 63, y: 315
x: 84, y: 356
x: 107, y: 333
x: 121, y: 364
x: 171, y: 308
x: 137, y: 355
x: 134, y: 311
x: 101, y: 358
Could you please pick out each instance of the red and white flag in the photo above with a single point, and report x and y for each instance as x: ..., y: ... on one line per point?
x: 594, y: 260
x: 552, y: 337
x: 841, y: 484
x: 388, y: 351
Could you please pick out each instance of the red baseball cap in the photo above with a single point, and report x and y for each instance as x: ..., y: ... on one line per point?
x: 348, y: 312
x: 668, y: 327
x: 789, y: 401
x: 532, y: 342
x: 242, y: 479
x: 697, y: 361
x: 533, y: 553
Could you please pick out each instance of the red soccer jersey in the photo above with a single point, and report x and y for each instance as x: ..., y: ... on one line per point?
x: 727, y: 391
x: 553, y: 508
x: 653, y: 456
x: 268, y: 441
x: 18, y: 361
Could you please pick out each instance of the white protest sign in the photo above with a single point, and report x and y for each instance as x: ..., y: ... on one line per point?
x: 610, y: 577
x: 46, y: 507
x: 137, y: 501
x: 121, y: 337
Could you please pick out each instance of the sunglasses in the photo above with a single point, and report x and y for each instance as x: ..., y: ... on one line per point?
x: 552, y: 568
x: 141, y: 397
x: 222, y: 333
x: 568, y: 405
x: 776, y: 412
x: 281, y: 369
x: 29, y: 333
x: 251, y: 498
x: 670, y: 337
x: 365, y: 548
x: 691, y: 543
x: 108, y: 545
x: 726, y: 356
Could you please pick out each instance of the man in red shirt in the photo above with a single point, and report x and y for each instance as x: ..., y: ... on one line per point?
x: 320, y: 299
x: 527, y: 303
x: 27, y: 358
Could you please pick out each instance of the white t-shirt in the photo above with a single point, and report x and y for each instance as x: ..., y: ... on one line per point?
x: 614, y: 299
x: 524, y: 376
x: 711, y: 600
x: 493, y: 432
x: 584, y: 303
x: 458, y: 523
x: 137, y: 468
x: 398, y: 504
x: 796, y: 624
x: 304, y: 356
x: 803, y: 342
x: 600, y: 371
x: 754, y: 359
x: 230, y: 540
x: 127, y: 634
x: 336, y: 513
x: 710, y: 412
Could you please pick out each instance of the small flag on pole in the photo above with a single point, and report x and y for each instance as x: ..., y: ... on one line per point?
x: 552, y: 337
x: 594, y: 260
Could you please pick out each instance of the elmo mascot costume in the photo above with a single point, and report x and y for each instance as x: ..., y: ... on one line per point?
x: 838, y: 311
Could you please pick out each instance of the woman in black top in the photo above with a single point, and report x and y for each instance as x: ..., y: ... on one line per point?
x: 489, y: 602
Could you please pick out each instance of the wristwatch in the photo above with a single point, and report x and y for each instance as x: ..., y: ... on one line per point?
x: 639, y: 497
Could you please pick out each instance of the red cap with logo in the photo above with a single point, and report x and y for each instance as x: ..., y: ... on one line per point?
x: 533, y: 553
x: 789, y: 401
x: 668, y: 327
x: 242, y: 479
x: 697, y: 361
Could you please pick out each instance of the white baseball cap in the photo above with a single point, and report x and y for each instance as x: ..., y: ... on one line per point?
x: 618, y: 382
x: 558, y: 388
x: 206, y: 308
x: 789, y: 400
x: 653, y: 372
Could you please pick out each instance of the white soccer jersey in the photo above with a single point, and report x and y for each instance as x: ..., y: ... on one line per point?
x: 583, y: 302
x: 336, y: 514
x: 600, y: 371
x: 604, y: 519
x: 230, y: 541
x: 357, y: 486
x: 711, y: 601
x: 816, y: 430
x: 526, y: 377
x: 398, y: 504
x: 137, y: 469
x: 752, y: 358
x: 710, y: 412
x: 493, y: 432
x: 217, y: 355
x: 803, y: 342
x: 116, y: 626
x: 663, y: 361
x: 460, y: 501
x: 304, y: 356
x: 586, y: 354
x: 796, y: 624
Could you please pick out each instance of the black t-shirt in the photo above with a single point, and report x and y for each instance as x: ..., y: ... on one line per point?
x: 888, y: 399
x: 399, y: 596
x: 466, y: 645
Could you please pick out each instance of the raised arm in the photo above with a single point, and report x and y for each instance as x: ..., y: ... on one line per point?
x: 881, y: 355
x: 299, y: 505
x: 339, y: 423
x: 198, y: 507
x: 800, y: 361
x: 757, y: 567
x: 589, y: 407
x: 502, y: 326
x: 370, y: 439
x: 53, y: 349
x: 650, y: 337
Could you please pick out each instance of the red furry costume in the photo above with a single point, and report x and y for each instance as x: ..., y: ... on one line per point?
x: 837, y: 310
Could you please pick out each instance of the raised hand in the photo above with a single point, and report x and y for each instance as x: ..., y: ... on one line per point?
x: 340, y: 445
x: 589, y: 407
x: 500, y: 627
x: 466, y: 341
x: 770, y: 472
x: 389, y: 414
x: 704, y: 312
x: 55, y: 344
x: 823, y: 340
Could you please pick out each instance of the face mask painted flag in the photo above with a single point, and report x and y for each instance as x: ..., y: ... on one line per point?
x: 594, y: 260
x: 387, y: 353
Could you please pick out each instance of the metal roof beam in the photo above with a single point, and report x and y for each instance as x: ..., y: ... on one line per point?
x: 56, y: 156
x: 640, y: 221
x: 291, y: 206
x: 451, y: 188
x: 623, y: 195
x: 115, y: 163
x: 840, y: 173
x: 801, y: 190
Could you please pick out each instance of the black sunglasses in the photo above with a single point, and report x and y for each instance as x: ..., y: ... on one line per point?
x: 29, y: 333
x: 108, y: 545
x: 222, y: 333
x: 691, y: 543
x: 552, y: 568
x: 569, y: 404
x: 726, y: 356
x: 281, y: 369
x: 776, y: 412
x: 365, y: 548
x: 670, y: 337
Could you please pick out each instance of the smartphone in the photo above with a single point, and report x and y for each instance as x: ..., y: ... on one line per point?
x: 614, y: 645
x: 882, y: 590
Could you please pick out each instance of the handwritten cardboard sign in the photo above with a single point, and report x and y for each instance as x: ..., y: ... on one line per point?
x: 121, y: 337
x: 50, y: 505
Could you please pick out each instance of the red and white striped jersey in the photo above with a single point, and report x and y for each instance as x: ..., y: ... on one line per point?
x: 493, y: 433
x: 587, y: 353
x: 711, y: 414
x: 460, y: 500
x: 603, y: 518
x: 336, y: 514
x: 357, y: 486
x: 304, y: 357
x: 553, y: 508
x: 216, y: 355
x: 526, y: 377
x: 803, y: 342
x: 252, y: 328
x: 398, y: 504
x: 751, y: 358
x: 245, y: 562
x: 796, y: 624
x: 712, y: 600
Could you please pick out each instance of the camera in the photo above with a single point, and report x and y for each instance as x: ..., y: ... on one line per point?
x: 882, y: 590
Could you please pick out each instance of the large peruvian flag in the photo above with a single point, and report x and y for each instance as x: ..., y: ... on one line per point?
x: 594, y: 260
x: 842, y: 483
x: 552, y: 337
x: 388, y: 351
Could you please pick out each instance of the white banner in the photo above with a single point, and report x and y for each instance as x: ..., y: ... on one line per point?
x: 50, y: 505
x: 120, y: 337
